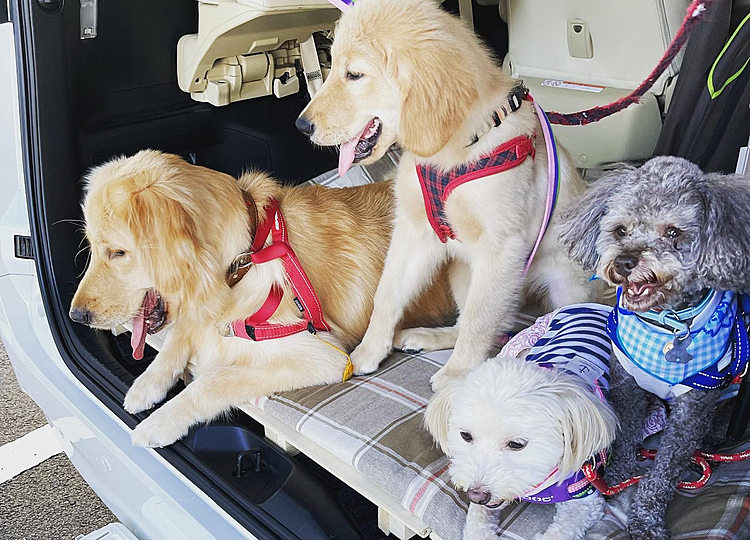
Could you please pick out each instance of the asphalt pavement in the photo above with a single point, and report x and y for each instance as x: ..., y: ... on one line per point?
x: 49, y: 501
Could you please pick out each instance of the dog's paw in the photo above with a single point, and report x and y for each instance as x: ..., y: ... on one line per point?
x: 646, y: 517
x: 444, y: 377
x: 647, y: 529
x: 367, y: 358
x: 147, y: 391
x: 159, y: 430
x: 414, y: 340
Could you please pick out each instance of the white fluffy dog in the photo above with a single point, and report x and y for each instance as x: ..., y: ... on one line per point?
x: 519, y: 430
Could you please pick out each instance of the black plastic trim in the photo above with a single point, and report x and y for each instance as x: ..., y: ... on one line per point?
x: 254, y: 519
x: 23, y: 248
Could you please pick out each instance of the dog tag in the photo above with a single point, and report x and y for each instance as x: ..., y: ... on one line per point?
x: 676, y: 351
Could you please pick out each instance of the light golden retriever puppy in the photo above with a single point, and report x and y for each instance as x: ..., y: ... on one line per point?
x: 406, y: 72
x: 163, y: 234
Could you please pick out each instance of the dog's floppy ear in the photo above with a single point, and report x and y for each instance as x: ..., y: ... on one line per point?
x: 724, y: 258
x: 438, y: 413
x: 579, y: 224
x: 180, y: 263
x: 588, y: 424
x: 437, y: 96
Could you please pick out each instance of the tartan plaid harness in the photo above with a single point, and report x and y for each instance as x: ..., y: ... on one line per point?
x: 718, y: 330
x: 437, y: 184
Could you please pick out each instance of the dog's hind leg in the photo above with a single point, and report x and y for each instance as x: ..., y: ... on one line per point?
x: 426, y: 339
x: 160, y: 376
x: 630, y: 402
x: 573, y: 518
x: 690, y: 418
x: 410, y: 266
x: 481, y: 523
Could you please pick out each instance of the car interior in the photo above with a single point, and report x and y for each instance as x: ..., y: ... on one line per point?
x: 220, y: 83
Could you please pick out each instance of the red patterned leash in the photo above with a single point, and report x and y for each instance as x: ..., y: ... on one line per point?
x: 695, y: 13
x: 699, y: 458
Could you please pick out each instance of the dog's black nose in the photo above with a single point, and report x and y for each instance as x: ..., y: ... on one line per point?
x: 81, y: 315
x: 479, y: 496
x: 625, y: 263
x: 305, y: 126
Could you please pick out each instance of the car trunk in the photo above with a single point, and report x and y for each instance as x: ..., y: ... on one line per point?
x: 85, y: 101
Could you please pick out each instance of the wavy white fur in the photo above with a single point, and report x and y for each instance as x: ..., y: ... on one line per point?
x: 508, y: 399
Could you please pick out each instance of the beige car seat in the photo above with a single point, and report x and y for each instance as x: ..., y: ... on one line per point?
x: 577, y: 54
x: 248, y: 48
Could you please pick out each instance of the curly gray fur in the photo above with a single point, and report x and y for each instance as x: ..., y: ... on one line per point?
x: 684, y: 232
x: 708, y: 211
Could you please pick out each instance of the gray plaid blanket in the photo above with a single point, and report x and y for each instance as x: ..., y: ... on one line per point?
x: 374, y: 423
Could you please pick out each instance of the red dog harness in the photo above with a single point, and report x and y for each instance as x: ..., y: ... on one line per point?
x: 256, y: 327
x: 437, y: 185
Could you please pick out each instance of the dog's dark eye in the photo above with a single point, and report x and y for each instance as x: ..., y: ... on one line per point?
x: 353, y: 76
x: 672, y: 232
x: 115, y: 253
x: 465, y: 435
x: 621, y: 231
x: 518, y: 444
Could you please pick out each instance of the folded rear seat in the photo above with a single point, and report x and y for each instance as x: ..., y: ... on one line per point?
x: 577, y: 54
x: 368, y: 433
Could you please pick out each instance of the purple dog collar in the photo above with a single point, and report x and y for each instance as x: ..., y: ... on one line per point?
x: 575, y: 486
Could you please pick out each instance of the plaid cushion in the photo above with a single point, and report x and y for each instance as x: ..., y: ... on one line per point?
x: 374, y: 423
x: 438, y: 184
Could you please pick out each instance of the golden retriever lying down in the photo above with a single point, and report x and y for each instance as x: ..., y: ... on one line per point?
x: 163, y: 234
x: 406, y: 72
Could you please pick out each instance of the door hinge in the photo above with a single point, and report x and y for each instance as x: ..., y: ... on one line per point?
x: 24, y: 247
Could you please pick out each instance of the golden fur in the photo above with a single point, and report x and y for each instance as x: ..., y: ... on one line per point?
x: 433, y: 84
x: 155, y: 222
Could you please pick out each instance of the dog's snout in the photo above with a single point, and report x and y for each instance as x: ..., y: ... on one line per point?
x: 81, y: 315
x: 304, y: 125
x: 625, y: 263
x: 479, y: 496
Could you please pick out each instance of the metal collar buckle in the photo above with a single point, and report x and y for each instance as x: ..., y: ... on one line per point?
x: 239, y: 267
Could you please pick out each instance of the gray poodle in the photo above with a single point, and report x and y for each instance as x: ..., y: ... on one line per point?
x: 671, y: 237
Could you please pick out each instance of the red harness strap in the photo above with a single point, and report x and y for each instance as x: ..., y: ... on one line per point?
x: 256, y: 327
x: 437, y: 185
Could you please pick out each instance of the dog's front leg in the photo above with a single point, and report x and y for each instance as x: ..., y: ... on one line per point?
x: 630, y: 402
x: 413, y: 257
x: 689, y: 420
x: 481, y: 523
x: 152, y: 385
x: 491, y: 303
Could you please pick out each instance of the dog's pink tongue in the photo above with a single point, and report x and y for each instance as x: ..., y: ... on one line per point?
x: 347, y: 151
x: 138, y: 336
x: 346, y: 155
x: 639, y: 287
x: 140, y: 325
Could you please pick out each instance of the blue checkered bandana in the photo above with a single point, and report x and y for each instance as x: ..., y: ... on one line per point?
x: 711, y: 336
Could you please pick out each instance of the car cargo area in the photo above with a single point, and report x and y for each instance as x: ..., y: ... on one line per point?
x: 350, y: 460
x: 115, y: 94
